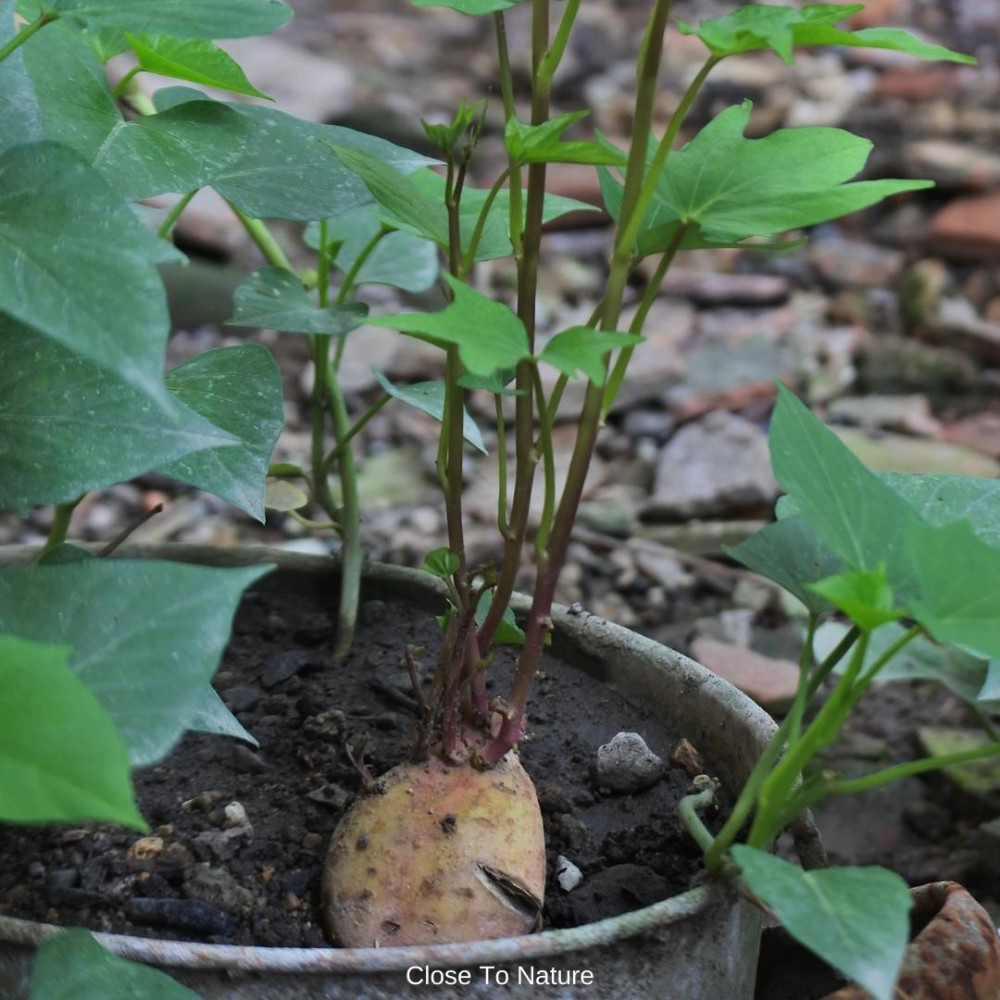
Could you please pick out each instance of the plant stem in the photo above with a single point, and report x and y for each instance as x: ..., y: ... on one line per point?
x: 501, y: 464
x: 356, y: 429
x: 264, y: 239
x: 174, y: 214
x: 59, y: 529
x: 509, y: 110
x: 689, y: 806
x: 469, y: 258
x: 25, y: 33
x: 553, y: 57
x: 529, y: 242
x: 837, y: 654
x: 125, y: 81
x: 138, y: 98
x: 124, y: 535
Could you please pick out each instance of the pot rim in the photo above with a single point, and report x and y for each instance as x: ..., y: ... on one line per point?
x: 588, y: 631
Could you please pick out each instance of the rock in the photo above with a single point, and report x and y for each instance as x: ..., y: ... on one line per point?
x: 283, y: 666
x: 190, y: 915
x: 895, y: 453
x: 968, y: 227
x: 978, y: 778
x: 234, y: 816
x: 686, y: 756
x: 218, y: 888
x: 332, y: 796
x: 753, y: 594
x: 220, y: 845
x: 957, y: 325
x: 552, y: 800
x: 711, y: 288
x: 625, y: 764
x: 145, y: 849
x: 924, y: 83
x: 897, y: 364
x: 952, y: 164
x: 855, y: 263
x: 655, y: 424
x: 734, y: 625
x: 701, y: 538
x: 664, y: 569
x: 243, y: 697
x: 717, y: 466
x: 771, y: 683
x: 910, y: 414
x: 980, y: 432
x: 567, y: 874
x: 615, y: 519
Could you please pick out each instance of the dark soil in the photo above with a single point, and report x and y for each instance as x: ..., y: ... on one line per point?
x: 205, y: 874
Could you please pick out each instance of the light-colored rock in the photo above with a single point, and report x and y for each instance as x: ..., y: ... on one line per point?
x: 625, y: 764
x: 733, y: 626
x: 980, y: 432
x: 909, y: 414
x: 895, y: 453
x: 567, y: 874
x: 855, y: 263
x: 952, y: 164
x: 717, y: 466
x: 771, y: 683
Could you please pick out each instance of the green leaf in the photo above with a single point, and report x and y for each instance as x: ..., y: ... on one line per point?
x: 396, y: 193
x: 275, y: 299
x: 71, y: 965
x: 429, y: 398
x: 281, y: 495
x: 399, y: 259
x: 213, y: 716
x: 469, y: 6
x: 61, y: 758
x: 442, y: 563
x: 186, y: 18
x: 920, y: 659
x: 446, y: 137
x: 940, y: 500
x: 238, y: 389
x: 147, y: 649
x: 68, y: 426
x: 849, y: 508
x: 865, y: 596
x: 496, y: 382
x: 766, y: 26
x: 958, y: 578
x: 20, y: 122
x: 508, y: 632
x: 541, y: 143
x: 194, y: 59
x: 495, y: 240
x: 790, y: 553
x: 76, y: 264
x: 583, y: 349
x: 63, y: 553
x: 855, y: 919
x: 284, y: 169
x: 177, y: 150
x: 489, y: 336
x: 733, y: 188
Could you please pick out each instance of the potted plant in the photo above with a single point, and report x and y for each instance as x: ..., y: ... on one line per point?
x: 87, y: 406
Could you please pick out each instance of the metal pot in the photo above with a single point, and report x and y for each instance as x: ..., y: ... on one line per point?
x: 700, y: 944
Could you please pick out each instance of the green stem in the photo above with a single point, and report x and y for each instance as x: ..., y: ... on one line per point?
x: 552, y: 58
x: 125, y: 81
x: 689, y: 807
x: 174, y: 214
x: 62, y: 515
x: 264, y: 239
x: 469, y: 258
x: 544, y: 446
x: 25, y: 33
x: 509, y: 110
x: 138, y: 98
x: 649, y: 296
x: 356, y: 429
x: 836, y: 655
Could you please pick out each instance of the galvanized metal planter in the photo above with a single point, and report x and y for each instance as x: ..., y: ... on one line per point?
x: 701, y: 944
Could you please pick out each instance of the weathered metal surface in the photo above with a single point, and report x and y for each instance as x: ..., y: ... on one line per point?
x: 955, y: 955
x: 701, y: 945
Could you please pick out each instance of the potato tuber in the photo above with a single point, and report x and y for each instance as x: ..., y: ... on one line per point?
x: 443, y: 853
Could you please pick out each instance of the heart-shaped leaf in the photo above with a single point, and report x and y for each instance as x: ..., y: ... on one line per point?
x: 441, y: 563
x: 76, y: 264
x: 194, y: 59
x: 429, y: 398
x: 61, y: 758
x: 855, y: 919
x: 238, y: 389
x: 274, y: 298
x: 767, y: 26
x: 488, y: 335
x: 146, y: 650
x: 399, y: 259
x: 584, y: 349
x: 863, y: 595
x: 188, y: 18
x: 68, y: 426
x: 71, y: 965
x: 281, y: 495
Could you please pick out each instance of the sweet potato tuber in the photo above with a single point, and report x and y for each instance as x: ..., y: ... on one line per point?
x: 444, y: 853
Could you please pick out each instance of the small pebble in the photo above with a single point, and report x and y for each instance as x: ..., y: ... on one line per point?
x: 626, y: 764
x: 235, y: 815
x: 567, y: 874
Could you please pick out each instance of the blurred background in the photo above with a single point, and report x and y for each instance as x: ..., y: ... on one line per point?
x: 887, y: 322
